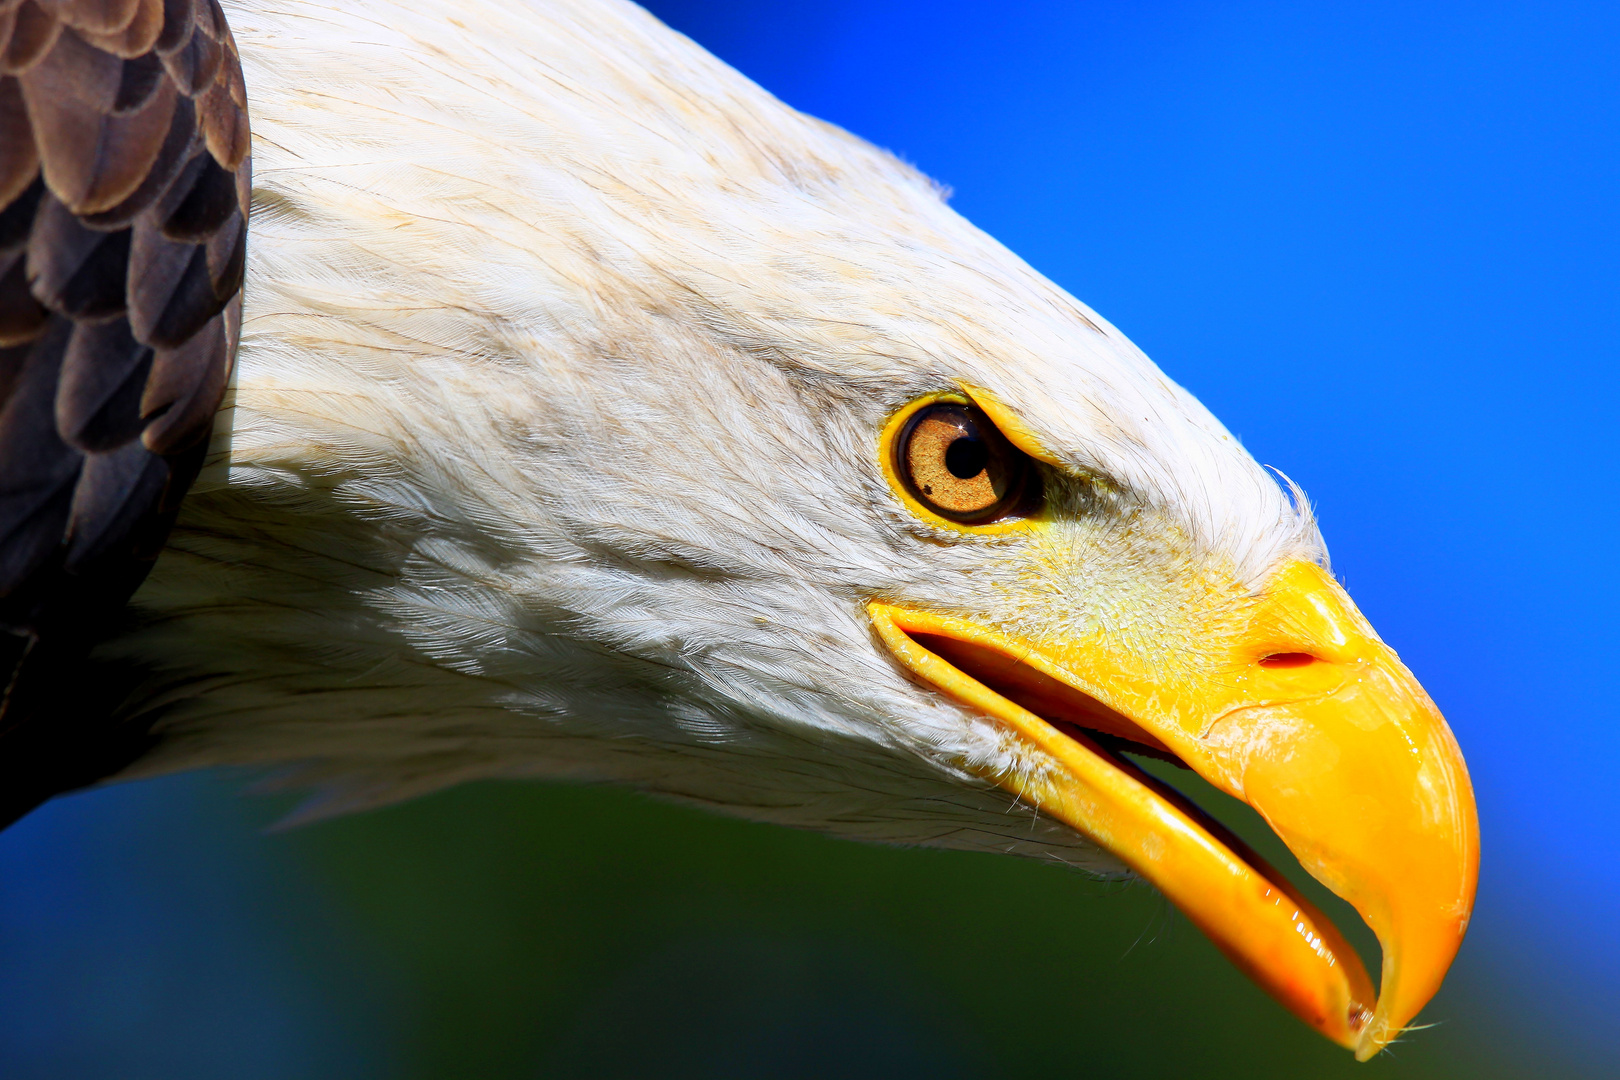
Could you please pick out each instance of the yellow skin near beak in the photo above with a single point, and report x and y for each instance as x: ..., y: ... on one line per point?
x: 1300, y: 711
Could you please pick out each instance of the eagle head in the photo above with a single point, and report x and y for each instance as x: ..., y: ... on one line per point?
x: 597, y: 415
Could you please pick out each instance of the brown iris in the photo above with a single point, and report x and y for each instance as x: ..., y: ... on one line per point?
x: 957, y: 464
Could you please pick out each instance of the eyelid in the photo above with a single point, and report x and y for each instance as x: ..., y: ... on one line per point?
x: 1010, y: 424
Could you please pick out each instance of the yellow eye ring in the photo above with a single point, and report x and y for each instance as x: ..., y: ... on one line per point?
x: 952, y: 466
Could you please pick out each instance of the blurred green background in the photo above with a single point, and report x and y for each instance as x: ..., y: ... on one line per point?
x: 599, y: 933
x: 527, y: 930
x: 1380, y: 241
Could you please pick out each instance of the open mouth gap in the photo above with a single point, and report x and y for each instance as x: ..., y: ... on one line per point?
x: 1096, y: 726
x: 1069, y: 710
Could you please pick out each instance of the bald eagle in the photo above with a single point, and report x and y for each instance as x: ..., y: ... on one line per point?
x: 573, y: 408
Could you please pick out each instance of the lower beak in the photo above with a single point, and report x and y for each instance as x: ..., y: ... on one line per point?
x: 1301, y: 712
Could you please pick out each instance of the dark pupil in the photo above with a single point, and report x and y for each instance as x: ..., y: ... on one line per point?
x: 966, y: 458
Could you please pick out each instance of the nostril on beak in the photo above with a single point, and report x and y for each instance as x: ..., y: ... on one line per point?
x: 1287, y: 660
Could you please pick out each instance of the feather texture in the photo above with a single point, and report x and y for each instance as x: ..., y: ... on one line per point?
x: 552, y: 446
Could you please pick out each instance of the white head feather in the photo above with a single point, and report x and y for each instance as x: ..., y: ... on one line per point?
x: 552, y: 443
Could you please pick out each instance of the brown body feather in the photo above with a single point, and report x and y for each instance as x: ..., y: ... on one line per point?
x: 124, y: 177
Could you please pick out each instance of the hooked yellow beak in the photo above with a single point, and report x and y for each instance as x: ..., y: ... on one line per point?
x: 1305, y: 715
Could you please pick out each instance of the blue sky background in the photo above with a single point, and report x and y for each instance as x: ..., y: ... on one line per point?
x: 1380, y: 241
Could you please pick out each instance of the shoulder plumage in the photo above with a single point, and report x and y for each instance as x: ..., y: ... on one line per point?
x: 124, y: 182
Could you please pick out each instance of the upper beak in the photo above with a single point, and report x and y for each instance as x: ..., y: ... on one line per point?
x: 1300, y: 711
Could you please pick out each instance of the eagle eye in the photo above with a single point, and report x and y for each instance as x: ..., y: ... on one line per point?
x: 955, y: 462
